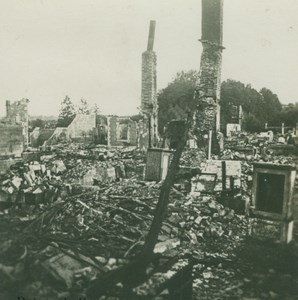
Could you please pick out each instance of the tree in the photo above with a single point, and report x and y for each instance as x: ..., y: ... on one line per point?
x: 288, y: 115
x: 258, y: 107
x: 174, y: 100
x: 174, y: 131
x: 272, y: 106
x: 95, y: 109
x: 84, y: 107
x: 67, y: 113
x: 37, y: 123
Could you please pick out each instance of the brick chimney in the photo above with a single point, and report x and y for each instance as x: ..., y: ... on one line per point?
x: 149, y: 86
x: 207, y: 116
x: 149, y: 73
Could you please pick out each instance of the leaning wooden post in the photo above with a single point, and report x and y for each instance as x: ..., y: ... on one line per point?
x: 224, y: 175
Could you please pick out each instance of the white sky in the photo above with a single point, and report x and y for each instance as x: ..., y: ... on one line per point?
x: 92, y: 48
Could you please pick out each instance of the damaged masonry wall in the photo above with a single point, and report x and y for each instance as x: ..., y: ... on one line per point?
x: 17, y: 114
x: 82, y: 127
x: 207, y: 116
x: 121, y: 131
x: 14, y: 128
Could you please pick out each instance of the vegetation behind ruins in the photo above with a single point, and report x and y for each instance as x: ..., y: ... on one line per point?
x: 259, y: 107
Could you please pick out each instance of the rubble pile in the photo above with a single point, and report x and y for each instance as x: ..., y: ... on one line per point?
x: 256, y: 271
x: 104, y: 228
x: 210, y: 223
x: 91, y: 216
x: 31, y: 183
x: 45, y: 180
x: 192, y: 158
x: 100, y: 164
x: 107, y: 222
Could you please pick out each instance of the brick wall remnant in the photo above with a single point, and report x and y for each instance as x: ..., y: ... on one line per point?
x: 122, y: 131
x: 82, y: 125
x: 101, y: 136
x: 207, y: 115
x: 14, y: 128
x: 81, y: 129
x: 17, y: 114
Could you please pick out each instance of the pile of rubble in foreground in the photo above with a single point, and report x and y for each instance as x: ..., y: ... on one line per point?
x: 54, y: 249
x: 91, y: 216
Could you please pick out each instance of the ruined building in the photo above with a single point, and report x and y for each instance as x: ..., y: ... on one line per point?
x: 14, y: 128
x: 122, y: 131
x: 104, y: 130
x: 207, y: 117
x: 81, y: 129
x: 149, y: 105
x: 17, y: 114
x: 115, y: 130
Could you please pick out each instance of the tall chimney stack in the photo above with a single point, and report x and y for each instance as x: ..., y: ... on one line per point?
x: 207, y: 115
x: 149, y: 104
x: 212, y: 19
x: 151, y: 36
